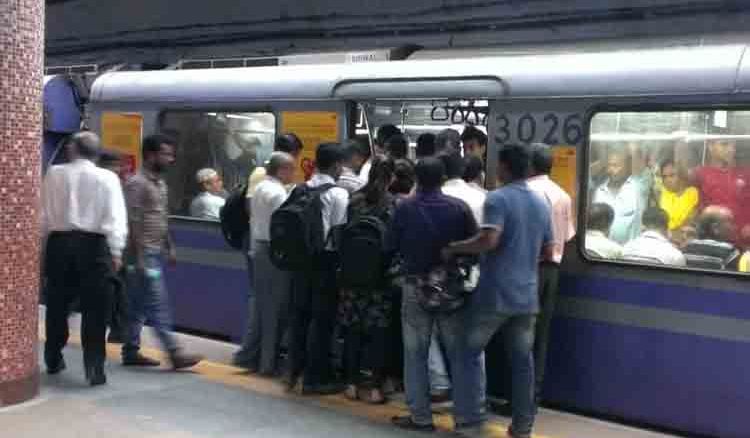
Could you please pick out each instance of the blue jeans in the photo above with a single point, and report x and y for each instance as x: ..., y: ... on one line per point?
x: 518, y: 331
x: 417, y: 332
x: 148, y: 298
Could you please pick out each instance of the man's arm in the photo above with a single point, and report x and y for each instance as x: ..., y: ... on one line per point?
x: 116, y: 221
x: 486, y: 240
x: 134, y: 202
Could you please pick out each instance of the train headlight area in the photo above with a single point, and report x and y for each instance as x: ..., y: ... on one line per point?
x: 634, y: 337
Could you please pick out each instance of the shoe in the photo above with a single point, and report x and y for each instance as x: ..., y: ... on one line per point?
x: 56, y: 368
x: 441, y: 396
x: 472, y: 430
x: 115, y: 337
x: 503, y: 409
x: 407, y: 423
x: 181, y: 361
x: 324, y: 389
x: 95, y: 375
x: 139, y: 360
x: 513, y: 434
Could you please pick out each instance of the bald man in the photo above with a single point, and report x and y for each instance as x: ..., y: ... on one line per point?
x: 268, y: 318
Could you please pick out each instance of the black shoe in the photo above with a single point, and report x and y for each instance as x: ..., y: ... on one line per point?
x: 56, y: 368
x: 115, y: 337
x: 513, y: 434
x: 324, y: 389
x: 183, y: 360
x: 95, y: 375
x: 503, y: 409
x: 139, y: 360
x: 441, y: 396
x: 407, y: 423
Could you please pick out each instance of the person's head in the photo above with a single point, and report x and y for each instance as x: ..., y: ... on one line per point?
x: 474, y: 170
x: 384, y: 133
x: 356, y: 154
x: 209, y: 181
x: 656, y: 219
x: 600, y: 217
x: 447, y: 139
x: 397, y: 146
x: 453, y: 162
x: 158, y: 152
x: 722, y: 151
x: 513, y: 164
x: 111, y: 161
x: 380, y: 178
x: 430, y: 174
x: 474, y: 141
x: 425, y: 145
x: 404, y: 177
x: 288, y: 143
x: 84, y: 144
x: 671, y: 177
x: 618, y: 166
x: 541, y: 159
x: 717, y: 223
x: 281, y: 167
x: 329, y: 159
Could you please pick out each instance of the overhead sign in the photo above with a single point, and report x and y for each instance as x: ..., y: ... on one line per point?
x: 313, y: 128
x: 122, y: 133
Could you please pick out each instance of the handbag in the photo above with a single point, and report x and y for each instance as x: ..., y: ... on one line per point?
x: 446, y: 288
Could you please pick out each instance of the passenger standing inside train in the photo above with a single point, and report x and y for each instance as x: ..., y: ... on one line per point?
x: 598, y: 243
x: 397, y: 147
x: 405, y: 179
x: 365, y: 305
x: 384, y: 133
x: 474, y: 142
x: 517, y: 229
x: 563, y: 230
x: 653, y: 245
x: 474, y: 173
x: 446, y: 139
x: 146, y: 194
x: 272, y: 286
x: 210, y: 200
x: 355, y: 156
x: 112, y: 161
x: 315, y: 295
x: 85, y: 224
x: 623, y: 193
x: 423, y: 225
x: 425, y: 145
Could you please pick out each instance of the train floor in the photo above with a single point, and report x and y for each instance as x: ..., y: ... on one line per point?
x: 218, y: 400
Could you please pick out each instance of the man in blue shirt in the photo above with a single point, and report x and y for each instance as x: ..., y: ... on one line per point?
x: 422, y: 226
x: 516, y: 232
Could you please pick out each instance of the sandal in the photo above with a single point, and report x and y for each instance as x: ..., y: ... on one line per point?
x: 352, y: 392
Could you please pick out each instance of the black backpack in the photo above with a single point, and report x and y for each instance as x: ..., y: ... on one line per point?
x: 362, y: 252
x: 297, y: 229
x: 234, y: 218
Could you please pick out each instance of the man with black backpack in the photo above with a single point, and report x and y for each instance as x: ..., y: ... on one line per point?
x: 301, y: 234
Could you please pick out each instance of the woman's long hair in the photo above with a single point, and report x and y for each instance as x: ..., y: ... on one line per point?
x: 379, y: 179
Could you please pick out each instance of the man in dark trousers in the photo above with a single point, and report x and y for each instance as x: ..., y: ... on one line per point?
x: 84, y: 219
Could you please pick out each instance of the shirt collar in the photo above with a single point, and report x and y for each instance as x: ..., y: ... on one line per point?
x: 651, y: 234
x: 455, y: 182
x: 538, y: 178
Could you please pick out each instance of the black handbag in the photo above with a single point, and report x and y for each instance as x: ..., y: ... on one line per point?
x: 446, y: 288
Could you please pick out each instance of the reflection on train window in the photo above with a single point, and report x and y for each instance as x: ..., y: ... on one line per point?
x: 216, y: 152
x: 670, y: 188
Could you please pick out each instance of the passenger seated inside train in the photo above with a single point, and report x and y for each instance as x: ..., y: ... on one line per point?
x: 713, y: 249
x: 209, y: 201
x: 653, y: 245
x: 598, y: 243
x: 624, y: 193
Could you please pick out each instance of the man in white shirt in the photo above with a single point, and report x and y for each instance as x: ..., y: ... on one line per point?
x: 355, y: 156
x: 315, y: 295
x: 653, y: 246
x: 208, y: 203
x: 598, y: 244
x: 85, y: 223
x: 563, y: 230
x: 272, y: 286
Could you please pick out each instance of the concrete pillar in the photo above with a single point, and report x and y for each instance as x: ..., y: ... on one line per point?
x: 21, y: 58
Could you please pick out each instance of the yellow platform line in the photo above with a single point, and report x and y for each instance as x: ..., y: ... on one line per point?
x: 238, y: 378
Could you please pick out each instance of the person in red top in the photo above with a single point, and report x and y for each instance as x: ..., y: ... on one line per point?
x: 722, y: 183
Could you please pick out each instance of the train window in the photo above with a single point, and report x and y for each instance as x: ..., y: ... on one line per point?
x: 670, y: 188
x: 230, y: 143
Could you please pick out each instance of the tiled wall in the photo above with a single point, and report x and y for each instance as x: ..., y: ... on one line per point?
x: 21, y: 52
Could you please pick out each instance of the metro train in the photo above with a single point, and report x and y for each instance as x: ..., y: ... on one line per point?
x: 657, y: 345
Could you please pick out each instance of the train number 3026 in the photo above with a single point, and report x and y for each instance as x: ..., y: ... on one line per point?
x: 550, y: 128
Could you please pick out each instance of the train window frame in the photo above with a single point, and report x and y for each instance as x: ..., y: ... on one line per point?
x: 263, y: 109
x: 585, y: 175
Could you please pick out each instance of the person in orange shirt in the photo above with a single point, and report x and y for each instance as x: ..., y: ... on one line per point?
x: 679, y: 200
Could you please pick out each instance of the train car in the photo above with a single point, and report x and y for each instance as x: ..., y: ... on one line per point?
x: 654, y: 344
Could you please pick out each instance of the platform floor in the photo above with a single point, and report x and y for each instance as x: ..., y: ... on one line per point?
x: 218, y: 400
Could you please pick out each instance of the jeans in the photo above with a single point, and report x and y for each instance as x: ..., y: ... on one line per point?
x: 417, y: 332
x: 77, y: 265
x: 148, y: 302
x: 548, y: 279
x: 440, y: 379
x: 518, y: 331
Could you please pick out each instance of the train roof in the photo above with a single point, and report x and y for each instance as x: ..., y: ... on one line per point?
x: 719, y: 69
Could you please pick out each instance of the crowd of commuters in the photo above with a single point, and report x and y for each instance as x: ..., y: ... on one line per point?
x: 664, y: 212
x: 426, y: 219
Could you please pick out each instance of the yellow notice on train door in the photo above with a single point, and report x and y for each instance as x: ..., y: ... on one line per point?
x: 564, y: 170
x: 313, y: 128
x: 122, y: 132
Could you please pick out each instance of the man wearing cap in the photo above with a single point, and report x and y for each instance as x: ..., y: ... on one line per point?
x: 208, y: 203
